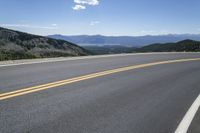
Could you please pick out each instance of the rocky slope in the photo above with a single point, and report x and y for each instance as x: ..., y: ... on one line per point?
x: 19, y: 45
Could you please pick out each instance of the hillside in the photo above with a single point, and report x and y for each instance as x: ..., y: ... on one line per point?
x: 131, y: 41
x: 110, y: 49
x: 185, y: 45
x: 19, y: 45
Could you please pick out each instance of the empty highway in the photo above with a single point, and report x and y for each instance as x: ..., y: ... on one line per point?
x: 133, y: 93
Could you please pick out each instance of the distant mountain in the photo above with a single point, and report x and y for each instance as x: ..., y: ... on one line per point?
x: 110, y: 49
x: 135, y: 41
x: 19, y: 45
x: 185, y: 45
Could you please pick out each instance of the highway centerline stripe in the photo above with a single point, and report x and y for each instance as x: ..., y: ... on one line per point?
x: 189, y: 116
x: 28, y: 90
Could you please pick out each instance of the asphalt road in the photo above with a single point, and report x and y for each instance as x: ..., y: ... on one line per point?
x: 152, y: 99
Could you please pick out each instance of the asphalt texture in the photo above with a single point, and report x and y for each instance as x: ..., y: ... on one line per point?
x: 147, y: 100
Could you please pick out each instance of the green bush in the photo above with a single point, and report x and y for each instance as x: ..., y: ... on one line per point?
x: 12, y: 55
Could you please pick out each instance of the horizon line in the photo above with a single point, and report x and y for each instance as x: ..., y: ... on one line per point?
x: 103, y: 34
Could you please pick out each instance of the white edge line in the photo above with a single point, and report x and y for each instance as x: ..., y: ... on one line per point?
x: 60, y: 59
x: 189, y: 116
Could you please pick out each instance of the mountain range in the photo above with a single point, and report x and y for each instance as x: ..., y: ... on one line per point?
x: 131, y: 41
x: 181, y: 46
x: 20, y: 45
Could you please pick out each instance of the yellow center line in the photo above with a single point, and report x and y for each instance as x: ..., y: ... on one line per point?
x: 28, y: 90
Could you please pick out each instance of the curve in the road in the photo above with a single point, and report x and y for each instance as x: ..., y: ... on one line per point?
x: 20, y: 92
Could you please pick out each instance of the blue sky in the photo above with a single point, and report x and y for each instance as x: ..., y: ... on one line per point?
x: 106, y: 17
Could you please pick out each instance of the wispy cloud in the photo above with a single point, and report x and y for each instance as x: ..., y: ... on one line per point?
x: 87, y: 2
x: 92, y: 23
x: 154, y: 32
x: 81, y: 4
x: 79, y: 7
x: 54, y: 25
x: 148, y: 31
x: 29, y: 26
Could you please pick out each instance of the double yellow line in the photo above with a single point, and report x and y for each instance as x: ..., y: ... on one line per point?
x: 25, y: 91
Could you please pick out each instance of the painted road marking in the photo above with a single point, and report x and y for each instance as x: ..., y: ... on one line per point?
x: 25, y: 91
x: 189, y: 116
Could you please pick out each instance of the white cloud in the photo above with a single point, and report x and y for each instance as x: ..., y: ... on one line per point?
x: 28, y: 26
x: 87, y: 2
x: 81, y: 4
x: 79, y: 7
x: 164, y: 32
x: 148, y: 31
x: 154, y: 32
x: 92, y: 23
x: 54, y: 25
x: 14, y: 25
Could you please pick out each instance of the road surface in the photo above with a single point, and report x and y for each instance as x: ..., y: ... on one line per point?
x: 138, y: 93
